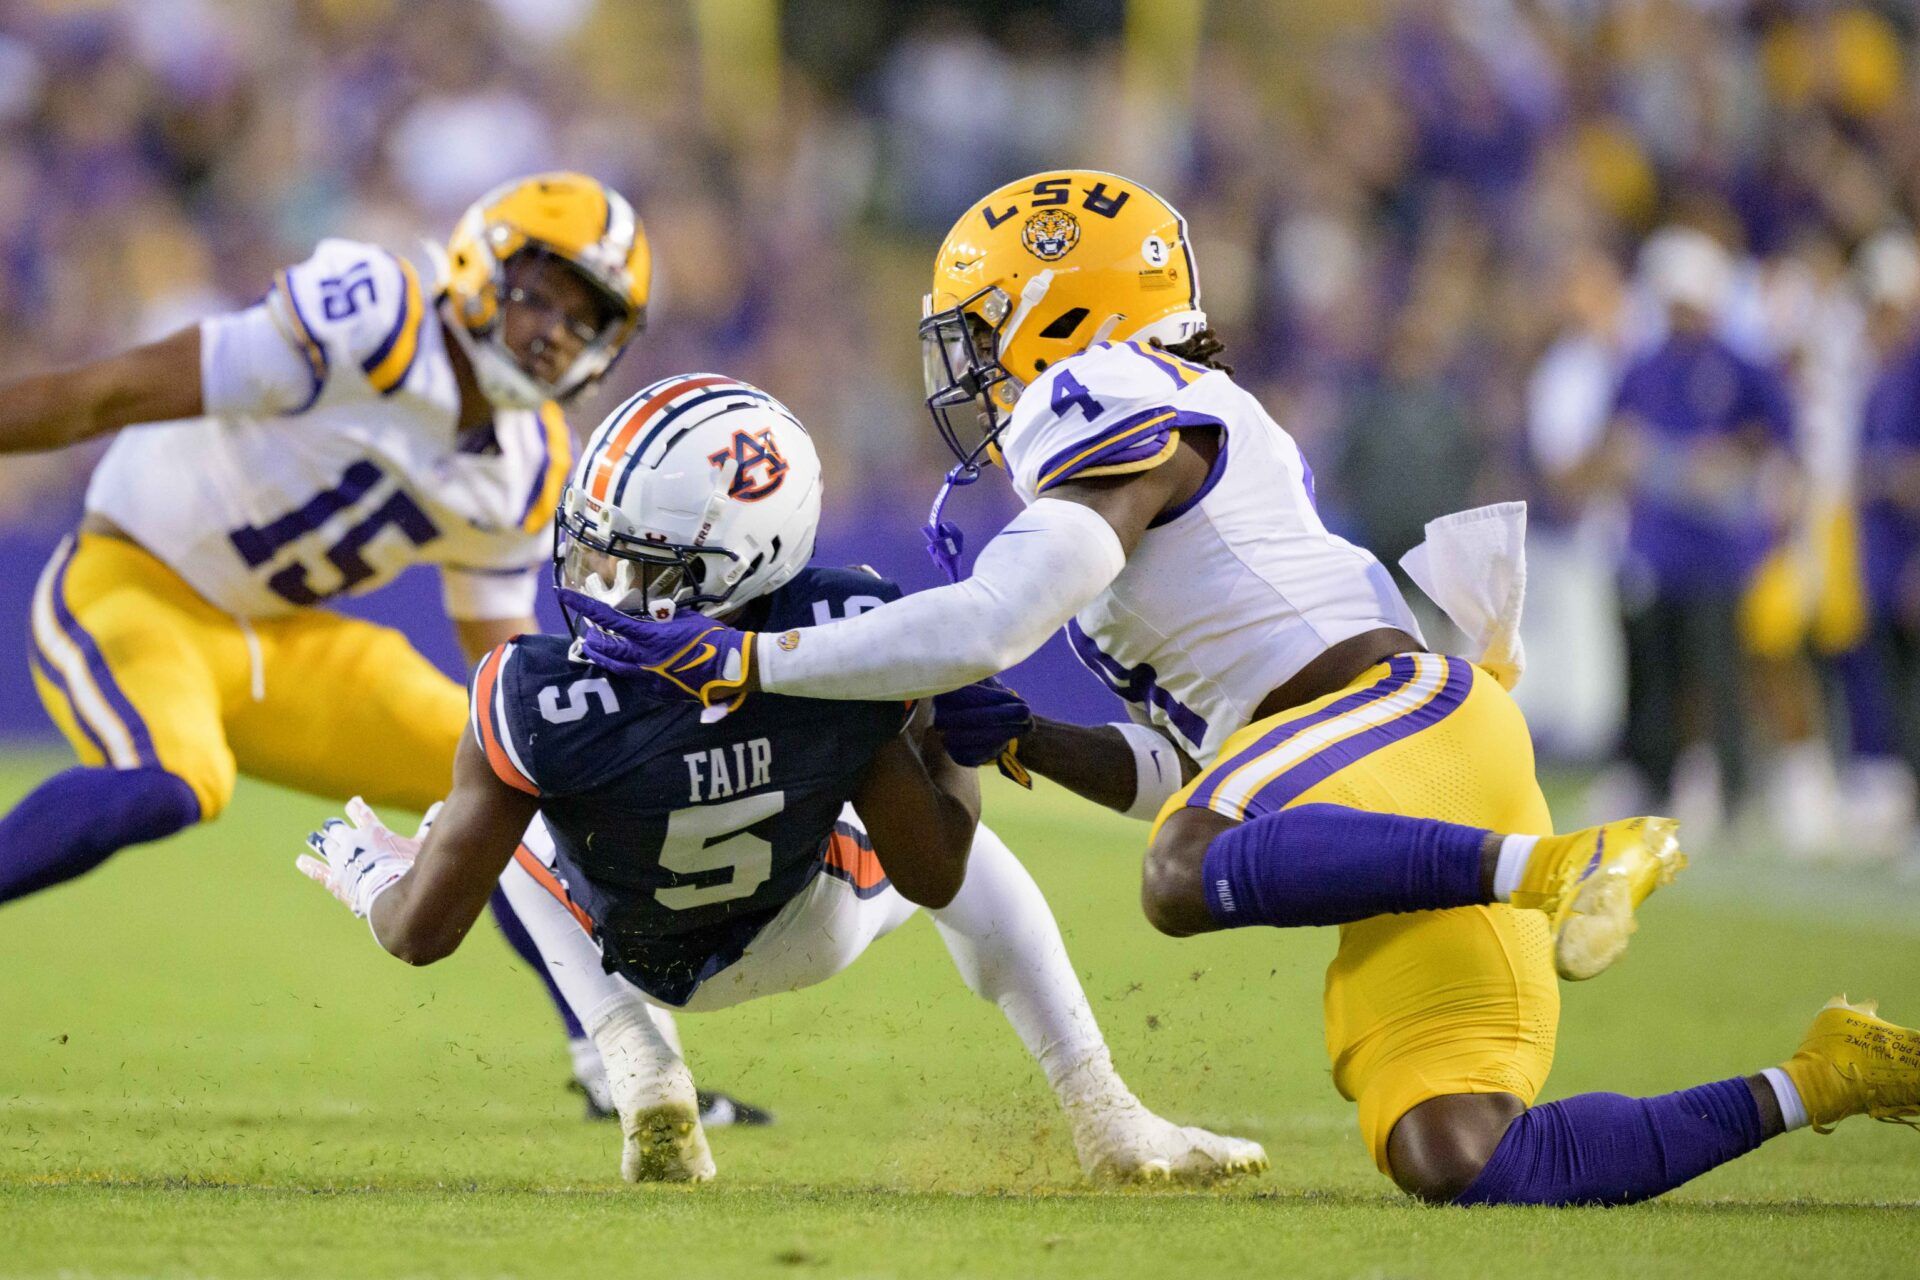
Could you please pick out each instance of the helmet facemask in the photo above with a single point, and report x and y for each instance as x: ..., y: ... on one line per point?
x: 969, y: 392
x: 524, y: 285
x: 640, y: 575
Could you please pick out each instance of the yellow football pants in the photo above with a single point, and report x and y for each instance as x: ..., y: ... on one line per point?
x: 138, y: 671
x: 1430, y: 1002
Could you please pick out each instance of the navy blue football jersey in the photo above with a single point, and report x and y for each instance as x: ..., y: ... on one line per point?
x: 681, y: 840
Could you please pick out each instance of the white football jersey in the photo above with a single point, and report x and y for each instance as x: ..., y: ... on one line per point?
x: 1227, y: 596
x: 330, y: 460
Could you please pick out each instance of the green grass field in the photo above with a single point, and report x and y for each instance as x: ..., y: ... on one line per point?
x: 208, y: 1069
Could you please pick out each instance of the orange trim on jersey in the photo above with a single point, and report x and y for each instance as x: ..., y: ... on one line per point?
x: 855, y: 859
x: 622, y: 440
x: 545, y: 878
x: 483, y: 697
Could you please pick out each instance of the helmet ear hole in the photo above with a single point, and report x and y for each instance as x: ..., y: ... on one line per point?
x: 1065, y: 323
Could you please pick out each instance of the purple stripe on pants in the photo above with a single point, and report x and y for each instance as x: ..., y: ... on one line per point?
x: 97, y: 664
x: 1400, y: 673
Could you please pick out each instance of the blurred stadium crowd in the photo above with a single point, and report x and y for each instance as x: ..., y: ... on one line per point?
x: 1648, y: 263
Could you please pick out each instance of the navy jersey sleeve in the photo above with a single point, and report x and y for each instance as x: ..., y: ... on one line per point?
x: 550, y: 726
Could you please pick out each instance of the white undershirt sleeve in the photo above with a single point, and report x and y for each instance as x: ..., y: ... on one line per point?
x: 248, y: 366
x: 1044, y: 567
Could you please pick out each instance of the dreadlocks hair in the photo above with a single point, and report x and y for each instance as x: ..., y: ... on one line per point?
x: 1202, y: 348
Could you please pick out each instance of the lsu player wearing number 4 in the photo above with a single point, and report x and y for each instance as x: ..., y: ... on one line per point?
x: 356, y: 421
x: 684, y: 861
x: 1303, y: 758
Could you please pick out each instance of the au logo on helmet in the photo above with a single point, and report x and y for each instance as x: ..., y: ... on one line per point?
x: 752, y: 450
x: 1050, y: 234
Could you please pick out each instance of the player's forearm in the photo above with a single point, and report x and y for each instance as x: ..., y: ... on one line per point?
x: 1092, y: 761
x: 414, y: 930
x: 1042, y: 569
x: 154, y: 383
x: 42, y: 412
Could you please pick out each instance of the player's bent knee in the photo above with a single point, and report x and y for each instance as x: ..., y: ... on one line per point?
x: 1438, y: 1149
x: 1171, y: 893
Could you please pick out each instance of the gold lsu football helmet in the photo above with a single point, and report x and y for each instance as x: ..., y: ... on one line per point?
x: 1041, y: 270
x: 569, y: 216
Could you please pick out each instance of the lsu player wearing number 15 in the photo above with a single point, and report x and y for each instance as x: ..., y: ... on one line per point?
x: 356, y: 421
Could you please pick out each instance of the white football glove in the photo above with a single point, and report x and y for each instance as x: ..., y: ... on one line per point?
x: 359, y: 857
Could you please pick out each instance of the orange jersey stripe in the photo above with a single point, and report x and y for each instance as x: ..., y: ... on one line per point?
x: 856, y: 859
x: 497, y: 756
x: 622, y: 440
x: 551, y: 883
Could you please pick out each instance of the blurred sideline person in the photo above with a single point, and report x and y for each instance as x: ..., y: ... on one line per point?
x: 1884, y: 691
x: 682, y: 860
x: 1700, y: 447
x: 354, y: 422
x: 1350, y: 776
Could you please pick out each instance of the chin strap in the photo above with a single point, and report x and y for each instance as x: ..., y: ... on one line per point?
x: 945, y: 539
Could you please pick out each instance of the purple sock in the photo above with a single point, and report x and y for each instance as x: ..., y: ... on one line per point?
x: 1328, y: 864
x: 1602, y: 1148
x: 76, y: 820
x: 520, y: 940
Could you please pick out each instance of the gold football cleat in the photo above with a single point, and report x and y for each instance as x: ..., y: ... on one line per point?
x: 1591, y: 882
x: 1852, y: 1063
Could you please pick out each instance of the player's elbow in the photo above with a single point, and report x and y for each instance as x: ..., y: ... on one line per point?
x: 419, y: 947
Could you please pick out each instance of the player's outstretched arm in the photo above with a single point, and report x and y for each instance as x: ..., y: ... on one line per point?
x: 427, y: 913
x: 920, y: 810
x: 1053, y: 560
x: 1130, y: 768
x: 158, y: 382
x: 422, y: 895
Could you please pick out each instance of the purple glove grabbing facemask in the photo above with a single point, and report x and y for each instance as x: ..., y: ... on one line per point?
x: 984, y: 722
x: 685, y: 658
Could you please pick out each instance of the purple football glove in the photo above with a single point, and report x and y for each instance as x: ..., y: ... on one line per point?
x: 983, y: 722
x: 689, y: 657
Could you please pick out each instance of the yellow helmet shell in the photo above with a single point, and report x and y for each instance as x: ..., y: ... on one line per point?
x: 1063, y: 260
x: 570, y: 215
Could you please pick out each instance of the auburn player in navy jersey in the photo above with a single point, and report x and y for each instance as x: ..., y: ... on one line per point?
x: 691, y: 858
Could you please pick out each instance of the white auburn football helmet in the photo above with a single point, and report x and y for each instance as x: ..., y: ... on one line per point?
x: 698, y: 493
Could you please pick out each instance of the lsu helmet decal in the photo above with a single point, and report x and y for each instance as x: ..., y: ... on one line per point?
x: 1040, y: 270
x: 582, y: 222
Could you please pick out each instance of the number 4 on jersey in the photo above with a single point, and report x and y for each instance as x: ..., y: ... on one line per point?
x: 1069, y: 393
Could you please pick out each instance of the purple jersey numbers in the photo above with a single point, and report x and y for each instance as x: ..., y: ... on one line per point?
x: 1138, y: 685
x: 1069, y: 394
x: 294, y: 582
x: 343, y: 295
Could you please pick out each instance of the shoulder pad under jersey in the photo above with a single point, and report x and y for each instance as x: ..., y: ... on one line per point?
x: 1110, y: 410
x: 355, y: 311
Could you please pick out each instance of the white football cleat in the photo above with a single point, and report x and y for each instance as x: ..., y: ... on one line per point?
x: 1131, y: 1144
x: 651, y: 1088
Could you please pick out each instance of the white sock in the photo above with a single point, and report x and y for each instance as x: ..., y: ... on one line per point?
x: 586, y: 1058
x: 1007, y: 946
x: 1792, y: 1109
x: 1512, y: 864
x: 569, y: 954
